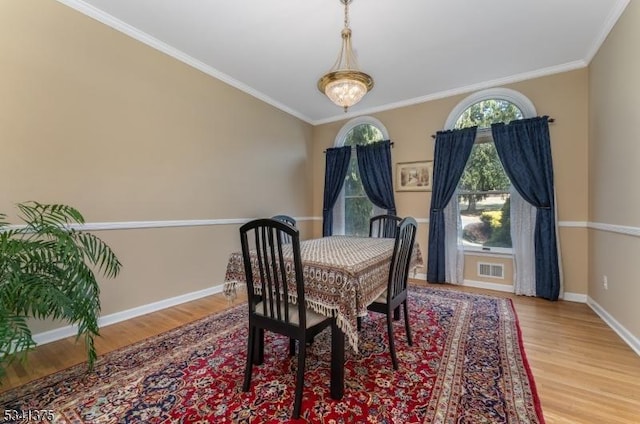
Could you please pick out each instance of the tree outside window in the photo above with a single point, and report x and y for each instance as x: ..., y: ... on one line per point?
x: 358, y: 207
x: 483, y: 190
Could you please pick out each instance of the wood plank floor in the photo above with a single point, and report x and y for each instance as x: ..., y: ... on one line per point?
x: 583, y: 371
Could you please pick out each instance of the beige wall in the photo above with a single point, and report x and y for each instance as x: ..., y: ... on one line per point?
x: 562, y: 96
x: 471, y: 275
x: 614, y: 165
x: 95, y: 119
x: 92, y: 118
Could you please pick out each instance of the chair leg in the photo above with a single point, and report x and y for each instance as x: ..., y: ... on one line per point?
x: 406, y: 323
x: 392, y: 348
x: 258, y: 346
x: 292, y: 346
x: 302, y: 352
x: 396, y: 313
x: 250, y: 359
x: 359, y: 323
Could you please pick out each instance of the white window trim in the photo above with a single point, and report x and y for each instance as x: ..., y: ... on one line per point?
x: 338, y: 208
x: 340, y: 137
x: 482, y: 251
x: 520, y: 100
x: 492, y: 254
x: 528, y: 111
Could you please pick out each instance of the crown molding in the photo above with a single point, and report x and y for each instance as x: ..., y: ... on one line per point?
x: 153, y: 42
x: 578, y: 64
x: 617, y: 11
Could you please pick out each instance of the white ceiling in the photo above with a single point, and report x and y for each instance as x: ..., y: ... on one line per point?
x: 416, y: 50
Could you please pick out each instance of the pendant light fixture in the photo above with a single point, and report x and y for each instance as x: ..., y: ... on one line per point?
x: 344, y: 84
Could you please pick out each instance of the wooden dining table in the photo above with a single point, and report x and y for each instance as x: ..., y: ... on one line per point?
x: 342, y: 276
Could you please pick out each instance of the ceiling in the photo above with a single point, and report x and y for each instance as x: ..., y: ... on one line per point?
x: 416, y: 50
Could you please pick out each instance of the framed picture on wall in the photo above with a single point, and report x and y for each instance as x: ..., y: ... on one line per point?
x: 414, y: 176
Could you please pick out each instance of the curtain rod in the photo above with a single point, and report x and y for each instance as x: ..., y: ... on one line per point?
x: 551, y: 121
x: 353, y: 147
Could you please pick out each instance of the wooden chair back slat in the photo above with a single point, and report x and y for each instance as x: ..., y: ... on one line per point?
x: 289, y: 220
x: 265, y: 262
x: 384, y: 226
x: 274, y: 276
x: 401, y: 259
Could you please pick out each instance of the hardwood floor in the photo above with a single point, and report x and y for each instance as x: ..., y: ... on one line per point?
x: 583, y: 371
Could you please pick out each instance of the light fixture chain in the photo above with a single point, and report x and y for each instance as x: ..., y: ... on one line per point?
x: 346, y: 13
x: 345, y: 84
x: 349, y: 59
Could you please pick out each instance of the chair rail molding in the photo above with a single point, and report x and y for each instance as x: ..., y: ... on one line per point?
x: 134, y: 225
x: 612, y: 228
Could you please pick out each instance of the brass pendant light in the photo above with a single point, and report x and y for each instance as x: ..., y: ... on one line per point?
x: 344, y: 84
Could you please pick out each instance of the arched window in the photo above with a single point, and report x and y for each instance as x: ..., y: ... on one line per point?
x: 353, y: 208
x: 484, y: 187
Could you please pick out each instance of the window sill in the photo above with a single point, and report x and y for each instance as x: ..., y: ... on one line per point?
x: 498, y: 252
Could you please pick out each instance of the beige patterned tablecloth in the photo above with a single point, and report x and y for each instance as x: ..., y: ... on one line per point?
x: 342, y: 275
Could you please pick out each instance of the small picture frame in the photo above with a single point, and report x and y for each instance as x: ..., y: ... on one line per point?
x: 414, y: 176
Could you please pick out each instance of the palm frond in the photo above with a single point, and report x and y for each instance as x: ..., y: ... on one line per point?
x: 47, y: 271
x: 99, y: 253
x: 15, y: 338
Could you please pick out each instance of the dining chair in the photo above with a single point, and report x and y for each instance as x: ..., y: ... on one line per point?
x: 271, y: 297
x: 383, y: 226
x: 396, y: 292
x: 289, y: 220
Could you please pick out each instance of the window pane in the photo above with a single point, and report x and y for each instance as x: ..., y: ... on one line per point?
x: 363, y: 134
x: 484, y: 171
x: 486, y: 220
x: 357, y: 214
x: 352, y: 183
x: 358, y: 207
x: 484, y: 186
x: 488, y: 112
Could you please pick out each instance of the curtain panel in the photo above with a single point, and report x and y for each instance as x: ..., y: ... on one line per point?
x: 337, y: 163
x: 450, y: 157
x: 524, y: 147
x: 454, y: 249
x: 523, y: 224
x: 374, y: 164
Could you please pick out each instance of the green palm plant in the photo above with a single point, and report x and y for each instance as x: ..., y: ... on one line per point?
x: 47, y: 271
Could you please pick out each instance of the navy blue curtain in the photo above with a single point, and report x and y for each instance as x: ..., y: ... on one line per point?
x: 374, y: 164
x: 450, y: 157
x: 337, y: 162
x: 524, y: 147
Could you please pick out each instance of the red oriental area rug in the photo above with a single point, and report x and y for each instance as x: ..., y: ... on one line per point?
x: 467, y: 365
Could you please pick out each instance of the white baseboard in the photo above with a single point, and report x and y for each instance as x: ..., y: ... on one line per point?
x: 489, y: 286
x: 625, y: 334
x: 477, y: 284
x: 574, y: 297
x: 418, y: 276
x: 567, y: 296
x: 508, y: 288
x: 72, y: 330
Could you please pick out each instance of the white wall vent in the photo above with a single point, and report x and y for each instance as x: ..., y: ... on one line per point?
x: 490, y: 270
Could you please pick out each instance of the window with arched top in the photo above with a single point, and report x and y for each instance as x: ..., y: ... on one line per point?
x: 483, y: 193
x: 353, y: 209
